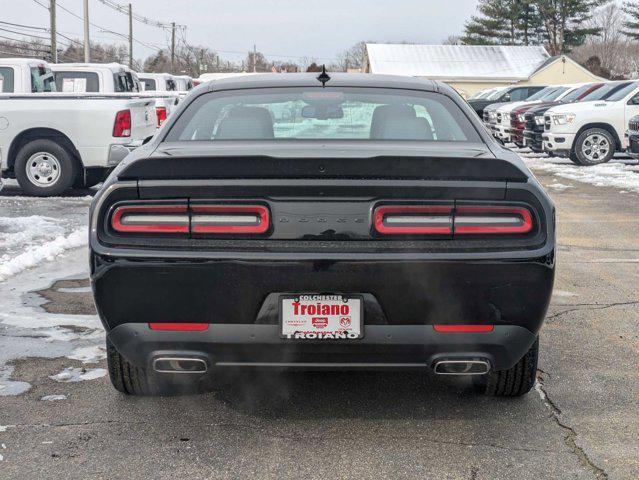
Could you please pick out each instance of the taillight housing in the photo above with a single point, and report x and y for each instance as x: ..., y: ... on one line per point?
x: 161, y: 114
x: 151, y: 219
x: 222, y: 219
x: 414, y: 219
x: 459, y: 220
x: 122, y: 125
x: 230, y: 219
x: 492, y: 220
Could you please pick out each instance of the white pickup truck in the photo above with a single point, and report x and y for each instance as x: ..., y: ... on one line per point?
x: 50, y: 142
x: 590, y: 133
x: 25, y: 75
x: 110, y: 78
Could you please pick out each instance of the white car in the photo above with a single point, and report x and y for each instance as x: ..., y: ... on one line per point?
x: 25, y: 75
x: 110, y: 78
x: 50, y: 142
x: 502, y: 128
x: 590, y: 133
x: 164, y: 85
x: 184, y: 83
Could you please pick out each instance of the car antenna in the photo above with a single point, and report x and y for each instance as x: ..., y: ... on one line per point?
x: 323, y: 77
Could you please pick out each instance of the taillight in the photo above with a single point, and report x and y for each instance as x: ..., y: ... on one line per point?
x: 151, y: 219
x: 492, y: 220
x: 229, y: 219
x: 197, y: 219
x: 414, y: 219
x: 122, y: 125
x: 447, y: 220
x: 161, y: 114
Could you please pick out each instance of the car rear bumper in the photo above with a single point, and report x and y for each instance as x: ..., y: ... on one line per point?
x: 402, y: 300
x: 225, y: 346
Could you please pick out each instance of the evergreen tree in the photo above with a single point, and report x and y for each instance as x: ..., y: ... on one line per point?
x: 503, y: 22
x: 566, y: 22
x: 631, y: 25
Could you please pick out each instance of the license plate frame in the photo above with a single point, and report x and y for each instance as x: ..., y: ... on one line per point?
x: 331, y: 298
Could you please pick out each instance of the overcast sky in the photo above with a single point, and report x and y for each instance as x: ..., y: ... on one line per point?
x: 280, y: 28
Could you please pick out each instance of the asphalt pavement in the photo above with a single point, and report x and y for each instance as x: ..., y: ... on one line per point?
x: 582, y: 421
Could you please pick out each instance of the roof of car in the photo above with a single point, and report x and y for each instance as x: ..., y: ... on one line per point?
x: 113, y: 67
x: 156, y: 76
x: 22, y: 61
x: 311, y: 80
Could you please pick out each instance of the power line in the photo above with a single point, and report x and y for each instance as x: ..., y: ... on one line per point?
x: 124, y: 9
x: 23, y: 26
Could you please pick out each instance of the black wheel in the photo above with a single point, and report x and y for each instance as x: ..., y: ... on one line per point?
x: 45, y: 168
x: 131, y: 380
x: 515, y: 381
x: 593, y: 146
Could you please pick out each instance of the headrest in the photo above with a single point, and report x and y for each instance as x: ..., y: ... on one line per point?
x: 383, y: 112
x: 406, y: 128
x: 246, y: 123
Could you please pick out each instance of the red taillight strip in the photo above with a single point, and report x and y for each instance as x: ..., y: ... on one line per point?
x: 230, y: 219
x: 180, y: 327
x: 473, y: 225
x: 151, y: 218
x: 463, y: 328
x: 422, y: 219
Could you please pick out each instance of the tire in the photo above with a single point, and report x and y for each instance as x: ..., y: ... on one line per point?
x: 599, y: 142
x: 131, y: 380
x: 44, y: 168
x: 514, y: 382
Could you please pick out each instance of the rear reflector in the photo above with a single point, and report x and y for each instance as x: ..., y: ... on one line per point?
x: 180, y: 327
x: 494, y: 220
x: 229, y: 219
x: 151, y: 219
x: 463, y: 328
x: 122, y: 125
x: 414, y: 219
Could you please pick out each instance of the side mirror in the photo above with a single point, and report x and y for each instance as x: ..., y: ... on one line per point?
x: 634, y: 100
x: 506, y: 97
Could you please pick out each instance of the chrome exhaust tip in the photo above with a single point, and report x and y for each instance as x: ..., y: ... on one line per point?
x: 179, y: 365
x: 461, y: 367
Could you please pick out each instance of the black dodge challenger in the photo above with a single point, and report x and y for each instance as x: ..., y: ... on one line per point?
x: 338, y: 221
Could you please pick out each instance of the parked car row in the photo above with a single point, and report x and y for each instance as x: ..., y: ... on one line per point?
x: 68, y: 125
x: 587, y: 123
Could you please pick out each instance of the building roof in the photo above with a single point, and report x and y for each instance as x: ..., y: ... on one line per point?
x: 456, y: 62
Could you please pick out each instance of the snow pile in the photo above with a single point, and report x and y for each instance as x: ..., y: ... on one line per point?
x: 613, y: 174
x: 53, y: 398
x: 8, y: 386
x: 37, y: 254
x: 72, y: 374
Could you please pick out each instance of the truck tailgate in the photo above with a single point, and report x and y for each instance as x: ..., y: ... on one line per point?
x: 143, y: 118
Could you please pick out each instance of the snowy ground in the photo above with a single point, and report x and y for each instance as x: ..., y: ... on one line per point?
x: 37, y: 235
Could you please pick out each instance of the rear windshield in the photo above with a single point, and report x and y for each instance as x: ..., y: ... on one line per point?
x: 605, y: 91
x: 149, y: 83
x: 77, y: 82
x: 42, y: 80
x: 6, y: 80
x: 323, y: 114
x: 171, y: 86
x: 123, y: 82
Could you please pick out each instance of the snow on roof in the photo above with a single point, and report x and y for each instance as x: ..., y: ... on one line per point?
x: 114, y: 67
x: 472, y: 62
x: 22, y: 61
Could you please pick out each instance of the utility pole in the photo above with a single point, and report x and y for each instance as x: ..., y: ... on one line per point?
x: 87, y: 44
x: 130, y: 36
x: 254, y: 58
x: 54, y: 43
x: 173, y: 47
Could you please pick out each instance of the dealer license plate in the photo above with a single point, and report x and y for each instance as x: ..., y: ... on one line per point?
x: 321, y: 317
